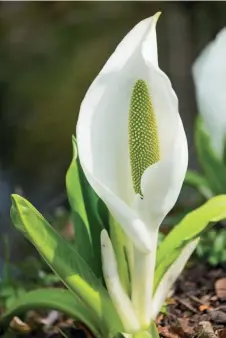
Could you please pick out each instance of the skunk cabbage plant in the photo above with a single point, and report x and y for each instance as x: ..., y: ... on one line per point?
x: 209, y: 71
x: 126, y: 176
x: 133, y: 149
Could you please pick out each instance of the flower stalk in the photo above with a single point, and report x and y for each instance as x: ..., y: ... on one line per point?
x: 142, y: 283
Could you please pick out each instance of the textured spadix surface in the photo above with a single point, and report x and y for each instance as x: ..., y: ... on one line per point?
x: 143, y: 134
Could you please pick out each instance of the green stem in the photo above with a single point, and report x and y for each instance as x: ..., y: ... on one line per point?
x: 142, y: 281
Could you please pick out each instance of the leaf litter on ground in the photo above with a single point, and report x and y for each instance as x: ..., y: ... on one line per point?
x: 195, y: 309
x: 199, y: 307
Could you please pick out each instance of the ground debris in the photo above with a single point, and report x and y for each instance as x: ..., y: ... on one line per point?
x: 196, y: 309
x: 206, y: 330
x: 17, y: 325
x: 221, y: 333
x: 197, y: 305
x: 218, y: 316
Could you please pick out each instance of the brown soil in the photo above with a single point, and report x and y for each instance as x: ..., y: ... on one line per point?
x: 198, y: 305
x: 197, y: 308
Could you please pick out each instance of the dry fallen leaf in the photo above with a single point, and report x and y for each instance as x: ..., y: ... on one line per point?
x: 221, y: 333
x: 207, y: 330
x: 19, y: 326
x: 179, y: 330
x: 171, y: 301
x: 220, y: 288
x: 205, y: 307
x: 159, y: 318
x: 184, y: 322
x: 165, y: 332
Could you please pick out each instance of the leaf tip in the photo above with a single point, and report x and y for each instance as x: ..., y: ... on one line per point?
x: 14, y: 199
x: 74, y: 145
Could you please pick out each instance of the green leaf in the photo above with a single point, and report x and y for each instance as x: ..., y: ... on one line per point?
x: 118, y: 240
x: 90, y: 214
x: 192, y: 225
x: 52, y: 298
x: 83, y: 240
x: 214, y: 169
x: 153, y: 330
x: 66, y: 262
x: 199, y: 182
x: 219, y: 244
x: 214, y: 259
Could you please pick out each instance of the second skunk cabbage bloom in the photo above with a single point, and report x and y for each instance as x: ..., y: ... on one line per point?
x: 131, y: 141
x: 209, y: 74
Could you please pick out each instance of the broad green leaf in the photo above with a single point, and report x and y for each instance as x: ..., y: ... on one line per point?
x: 90, y: 215
x: 53, y: 299
x: 97, y: 214
x: 118, y: 240
x: 191, y: 226
x: 214, y: 169
x: 83, y: 240
x: 199, y: 182
x: 66, y: 262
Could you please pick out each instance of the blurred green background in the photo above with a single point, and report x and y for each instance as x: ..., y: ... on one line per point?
x: 49, y: 54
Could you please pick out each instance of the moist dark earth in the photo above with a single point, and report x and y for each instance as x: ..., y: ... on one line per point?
x: 198, y: 304
x: 197, y: 308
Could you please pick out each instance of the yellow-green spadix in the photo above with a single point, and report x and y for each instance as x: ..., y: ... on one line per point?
x: 139, y: 193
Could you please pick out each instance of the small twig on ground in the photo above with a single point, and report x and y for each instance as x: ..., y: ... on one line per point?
x: 196, y: 299
x: 186, y: 304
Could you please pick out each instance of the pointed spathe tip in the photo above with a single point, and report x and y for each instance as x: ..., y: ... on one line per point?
x: 157, y: 15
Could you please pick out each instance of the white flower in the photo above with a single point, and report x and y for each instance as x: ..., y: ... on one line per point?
x: 103, y: 135
x: 209, y: 73
x: 133, y: 149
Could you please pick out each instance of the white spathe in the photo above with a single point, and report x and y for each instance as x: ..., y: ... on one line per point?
x: 103, y: 138
x: 118, y: 295
x: 209, y: 74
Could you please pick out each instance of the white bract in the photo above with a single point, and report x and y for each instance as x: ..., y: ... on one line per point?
x: 209, y: 73
x: 133, y: 150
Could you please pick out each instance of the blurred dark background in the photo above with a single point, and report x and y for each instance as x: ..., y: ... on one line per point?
x: 49, y: 54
